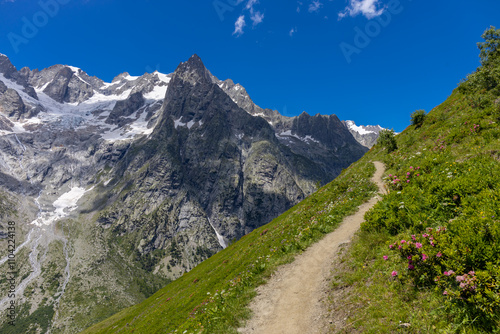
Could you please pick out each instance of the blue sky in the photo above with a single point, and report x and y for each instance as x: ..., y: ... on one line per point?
x: 371, y: 61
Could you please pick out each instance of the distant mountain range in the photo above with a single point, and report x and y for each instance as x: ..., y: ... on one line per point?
x: 115, y: 188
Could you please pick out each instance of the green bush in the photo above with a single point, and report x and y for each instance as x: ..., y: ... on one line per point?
x: 417, y: 118
x: 387, y: 138
x: 487, y: 77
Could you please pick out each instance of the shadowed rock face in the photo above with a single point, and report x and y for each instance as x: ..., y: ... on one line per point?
x: 6, y: 67
x: 11, y: 103
x: 175, y: 167
x: 10, y: 72
x: 125, y: 108
x: 58, y: 88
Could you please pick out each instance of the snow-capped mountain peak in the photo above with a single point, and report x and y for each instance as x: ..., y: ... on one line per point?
x: 366, y: 135
x: 362, y: 130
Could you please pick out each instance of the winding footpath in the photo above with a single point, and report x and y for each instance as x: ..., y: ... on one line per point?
x: 292, y: 301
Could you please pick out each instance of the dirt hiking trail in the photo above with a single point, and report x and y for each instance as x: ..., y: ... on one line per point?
x: 292, y: 301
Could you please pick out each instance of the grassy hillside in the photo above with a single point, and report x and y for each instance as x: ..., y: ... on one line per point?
x: 428, y: 256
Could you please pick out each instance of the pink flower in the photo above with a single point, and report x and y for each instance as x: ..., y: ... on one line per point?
x: 385, y: 257
x: 390, y: 175
x: 418, y: 174
x: 399, y: 247
x: 433, y: 244
x: 391, y: 246
x: 448, y: 273
x: 409, y: 257
x: 407, y: 181
x: 424, y: 257
x: 425, y: 235
x: 445, y: 292
x: 418, y: 245
x: 439, y: 254
x: 462, y: 285
x: 460, y: 278
x: 411, y: 167
x: 472, y: 273
x: 408, y: 173
x: 403, y: 241
x: 394, y: 273
x: 411, y: 267
x: 413, y: 237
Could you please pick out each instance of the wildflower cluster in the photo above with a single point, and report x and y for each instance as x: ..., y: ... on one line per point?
x: 440, y: 145
x: 396, y: 182
x: 423, y: 257
x: 475, y: 128
x: 430, y: 259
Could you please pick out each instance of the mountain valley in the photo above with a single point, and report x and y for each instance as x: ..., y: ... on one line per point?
x: 117, y: 188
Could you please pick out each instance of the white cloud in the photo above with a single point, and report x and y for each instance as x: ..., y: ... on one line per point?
x: 292, y: 31
x: 299, y: 4
x: 315, y: 6
x: 257, y: 18
x: 250, y: 5
x: 239, y: 25
x: 368, y: 8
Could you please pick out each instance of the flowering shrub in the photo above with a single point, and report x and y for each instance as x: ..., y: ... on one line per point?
x: 429, y: 260
x: 460, y: 259
x: 475, y: 128
x: 397, y: 182
x: 423, y: 256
